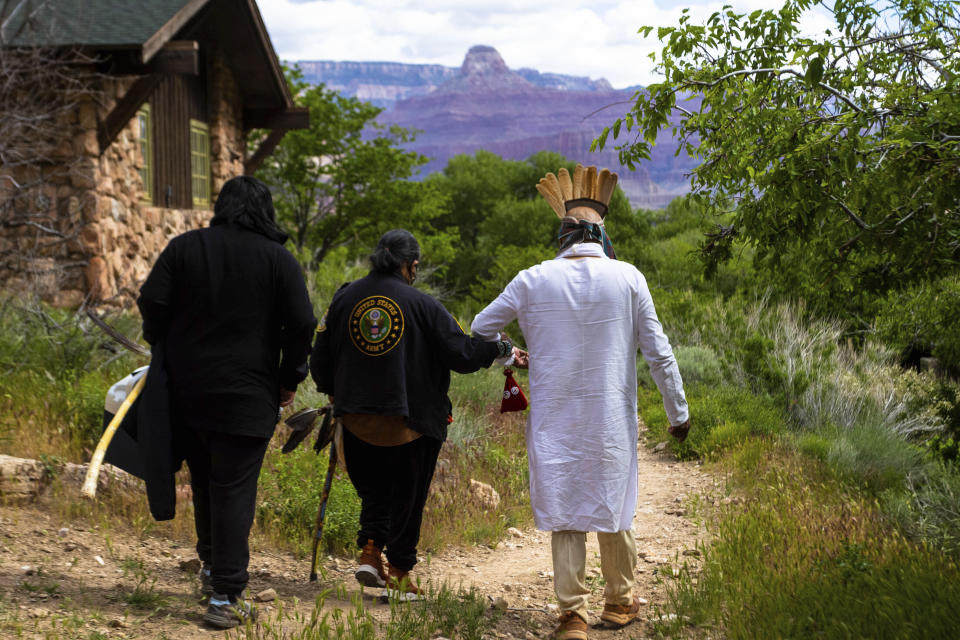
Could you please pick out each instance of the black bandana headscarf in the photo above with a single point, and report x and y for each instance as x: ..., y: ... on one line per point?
x: 573, y: 231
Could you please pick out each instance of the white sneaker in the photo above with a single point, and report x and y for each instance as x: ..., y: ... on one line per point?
x: 368, y: 576
x: 389, y: 594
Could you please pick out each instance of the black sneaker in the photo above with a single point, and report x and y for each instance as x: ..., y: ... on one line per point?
x: 227, y: 612
x: 206, y: 581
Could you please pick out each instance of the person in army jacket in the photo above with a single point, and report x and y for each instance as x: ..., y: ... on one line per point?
x: 384, y: 352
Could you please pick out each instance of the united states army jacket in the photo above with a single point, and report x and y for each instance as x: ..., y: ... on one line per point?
x: 385, y: 348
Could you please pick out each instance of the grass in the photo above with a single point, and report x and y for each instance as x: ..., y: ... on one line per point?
x: 143, y: 596
x: 453, y: 514
x: 928, y: 507
x: 40, y: 586
x: 487, y: 448
x: 63, y: 624
x: 55, y: 369
x: 461, y: 614
x: 806, y: 557
x: 289, y: 496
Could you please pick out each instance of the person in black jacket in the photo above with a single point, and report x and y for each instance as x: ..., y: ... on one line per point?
x: 384, y: 352
x: 229, y: 307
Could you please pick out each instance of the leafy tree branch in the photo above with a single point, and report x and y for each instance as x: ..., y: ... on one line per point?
x: 838, y: 154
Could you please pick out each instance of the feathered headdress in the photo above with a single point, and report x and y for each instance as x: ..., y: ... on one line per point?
x: 585, y: 189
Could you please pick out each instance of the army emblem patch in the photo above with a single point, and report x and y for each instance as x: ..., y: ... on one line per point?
x: 376, y: 325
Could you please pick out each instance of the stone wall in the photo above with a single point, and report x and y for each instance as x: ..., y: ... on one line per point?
x: 228, y: 143
x: 101, y: 238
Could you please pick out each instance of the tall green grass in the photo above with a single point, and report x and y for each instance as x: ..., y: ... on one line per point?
x: 55, y: 369
x: 288, y: 498
x: 803, y: 557
x: 928, y: 508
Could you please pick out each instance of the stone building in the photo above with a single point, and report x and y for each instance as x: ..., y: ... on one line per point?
x: 163, y: 94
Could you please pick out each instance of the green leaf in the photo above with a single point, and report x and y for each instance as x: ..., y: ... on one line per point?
x: 814, y: 73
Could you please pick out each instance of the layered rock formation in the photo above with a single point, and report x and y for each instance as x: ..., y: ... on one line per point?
x: 485, y: 105
x: 383, y: 83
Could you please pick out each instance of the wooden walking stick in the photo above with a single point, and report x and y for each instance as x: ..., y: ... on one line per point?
x: 89, y: 488
x: 321, y: 514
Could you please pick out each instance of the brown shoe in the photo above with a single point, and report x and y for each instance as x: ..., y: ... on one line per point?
x: 571, y: 627
x: 370, y: 572
x: 620, y: 615
x: 400, y: 586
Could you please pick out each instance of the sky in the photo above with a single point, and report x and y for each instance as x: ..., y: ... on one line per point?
x: 597, y: 39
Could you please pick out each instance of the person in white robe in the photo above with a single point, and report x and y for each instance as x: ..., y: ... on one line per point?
x: 584, y: 315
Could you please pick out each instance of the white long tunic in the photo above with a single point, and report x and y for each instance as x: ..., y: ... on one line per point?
x: 583, y: 317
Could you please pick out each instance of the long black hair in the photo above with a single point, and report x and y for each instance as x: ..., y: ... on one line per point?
x: 246, y: 202
x: 396, y: 248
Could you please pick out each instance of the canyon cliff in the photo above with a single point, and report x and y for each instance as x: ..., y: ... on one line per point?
x: 486, y: 105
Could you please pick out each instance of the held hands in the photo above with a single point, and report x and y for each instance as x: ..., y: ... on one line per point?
x: 286, y: 397
x: 521, y: 359
x: 680, y: 431
x: 518, y: 357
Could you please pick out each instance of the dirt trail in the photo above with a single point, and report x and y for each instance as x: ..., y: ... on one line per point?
x: 73, y: 580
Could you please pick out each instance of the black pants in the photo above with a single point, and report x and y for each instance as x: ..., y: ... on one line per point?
x: 392, y: 483
x: 223, y: 474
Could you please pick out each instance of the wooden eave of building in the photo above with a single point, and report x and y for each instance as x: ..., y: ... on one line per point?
x: 235, y: 27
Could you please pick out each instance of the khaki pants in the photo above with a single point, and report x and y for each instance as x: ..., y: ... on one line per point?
x: 618, y: 558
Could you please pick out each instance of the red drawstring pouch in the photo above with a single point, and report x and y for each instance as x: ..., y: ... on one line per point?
x: 513, y: 398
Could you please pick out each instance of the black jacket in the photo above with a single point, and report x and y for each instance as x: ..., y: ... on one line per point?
x: 232, y: 309
x: 145, y: 445
x: 385, y: 348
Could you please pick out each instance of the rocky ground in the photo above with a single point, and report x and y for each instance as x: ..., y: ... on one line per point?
x: 75, y: 579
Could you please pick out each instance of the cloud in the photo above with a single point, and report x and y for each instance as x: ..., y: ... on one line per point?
x: 597, y: 39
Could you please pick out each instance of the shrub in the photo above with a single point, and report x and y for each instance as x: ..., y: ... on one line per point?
x: 85, y: 400
x: 922, y: 320
x: 862, y: 387
x: 289, y: 497
x: 873, y: 456
x: 698, y: 364
x: 720, y: 416
x: 928, y: 507
x: 727, y: 435
x: 814, y: 445
x: 335, y: 271
x: 946, y: 444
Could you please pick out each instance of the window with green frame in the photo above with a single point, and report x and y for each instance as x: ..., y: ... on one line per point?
x: 145, y: 138
x: 200, y: 163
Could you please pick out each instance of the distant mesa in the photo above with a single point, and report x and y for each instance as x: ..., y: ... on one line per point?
x: 482, y: 60
x: 383, y: 83
x: 484, y: 69
x: 484, y: 104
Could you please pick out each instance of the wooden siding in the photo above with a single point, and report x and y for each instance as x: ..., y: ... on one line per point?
x: 175, y: 102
